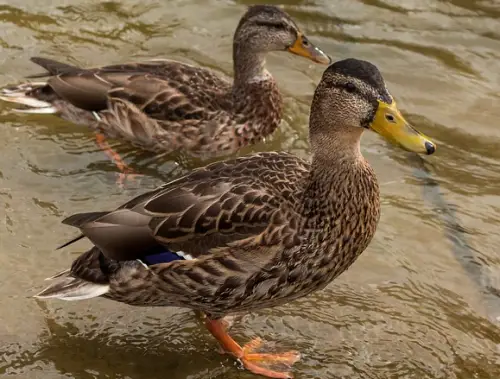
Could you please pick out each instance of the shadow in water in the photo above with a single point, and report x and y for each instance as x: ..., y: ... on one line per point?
x: 456, y: 234
x: 80, y: 354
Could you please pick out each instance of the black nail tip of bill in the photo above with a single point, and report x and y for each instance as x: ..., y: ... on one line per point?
x: 430, y: 148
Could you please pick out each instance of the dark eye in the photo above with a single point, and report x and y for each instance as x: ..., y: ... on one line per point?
x: 389, y: 117
x: 350, y: 87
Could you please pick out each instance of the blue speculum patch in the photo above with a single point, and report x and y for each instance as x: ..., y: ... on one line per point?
x: 161, y: 256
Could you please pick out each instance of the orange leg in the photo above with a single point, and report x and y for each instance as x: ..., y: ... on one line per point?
x: 125, y: 171
x: 258, y: 363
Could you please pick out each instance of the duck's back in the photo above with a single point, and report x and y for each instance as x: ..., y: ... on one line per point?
x: 160, y: 105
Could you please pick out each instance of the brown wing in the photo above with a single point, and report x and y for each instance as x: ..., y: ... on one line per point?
x: 53, y: 67
x: 207, y: 209
x: 163, y: 90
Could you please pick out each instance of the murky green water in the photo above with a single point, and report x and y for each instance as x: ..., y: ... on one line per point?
x: 422, y: 301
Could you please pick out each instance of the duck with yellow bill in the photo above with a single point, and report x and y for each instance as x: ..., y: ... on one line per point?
x: 253, y: 232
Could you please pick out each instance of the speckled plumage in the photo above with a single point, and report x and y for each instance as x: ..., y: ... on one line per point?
x: 167, y: 106
x: 262, y: 229
x: 253, y: 232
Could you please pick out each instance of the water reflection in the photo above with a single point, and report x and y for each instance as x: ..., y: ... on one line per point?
x: 422, y: 302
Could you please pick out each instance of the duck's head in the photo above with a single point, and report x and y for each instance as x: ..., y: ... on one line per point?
x: 266, y: 28
x: 352, y: 97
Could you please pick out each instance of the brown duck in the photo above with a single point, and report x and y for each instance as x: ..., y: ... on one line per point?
x: 168, y: 106
x: 253, y: 232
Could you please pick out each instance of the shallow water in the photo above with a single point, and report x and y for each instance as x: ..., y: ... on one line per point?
x: 422, y: 301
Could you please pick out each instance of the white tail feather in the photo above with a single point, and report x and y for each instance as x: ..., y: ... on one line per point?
x: 46, y: 110
x: 71, y: 289
x: 20, y: 98
x: 21, y: 89
x: 18, y: 95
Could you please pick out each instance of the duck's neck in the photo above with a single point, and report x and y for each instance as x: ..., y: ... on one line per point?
x: 257, y: 103
x: 343, y: 146
x: 339, y: 175
x: 249, y: 67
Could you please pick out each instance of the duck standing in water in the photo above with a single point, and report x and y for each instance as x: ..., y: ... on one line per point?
x: 254, y: 232
x: 167, y: 106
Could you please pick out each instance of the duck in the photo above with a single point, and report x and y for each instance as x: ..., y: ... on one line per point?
x: 252, y: 232
x: 167, y: 106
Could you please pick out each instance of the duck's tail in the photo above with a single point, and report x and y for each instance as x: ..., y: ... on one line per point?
x: 87, y: 278
x: 27, y: 94
x: 36, y: 96
x: 70, y: 288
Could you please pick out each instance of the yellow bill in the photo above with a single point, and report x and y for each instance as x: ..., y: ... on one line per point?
x: 306, y: 49
x: 390, y: 124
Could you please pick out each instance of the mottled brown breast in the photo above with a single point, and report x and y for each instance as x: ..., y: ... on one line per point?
x: 258, y: 111
x: 340, y: 217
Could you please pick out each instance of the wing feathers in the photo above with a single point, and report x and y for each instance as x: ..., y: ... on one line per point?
x: 84, y: 90
x: 79, y: 219
x: 209, y: 209
x: 53, y: 67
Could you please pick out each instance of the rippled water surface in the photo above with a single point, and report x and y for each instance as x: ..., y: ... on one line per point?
x: 422, y: 301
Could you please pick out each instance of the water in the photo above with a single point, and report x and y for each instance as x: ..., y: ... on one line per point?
x: 421, y: 302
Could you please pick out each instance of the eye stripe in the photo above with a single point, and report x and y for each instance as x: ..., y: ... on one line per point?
x: 270, y: 24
